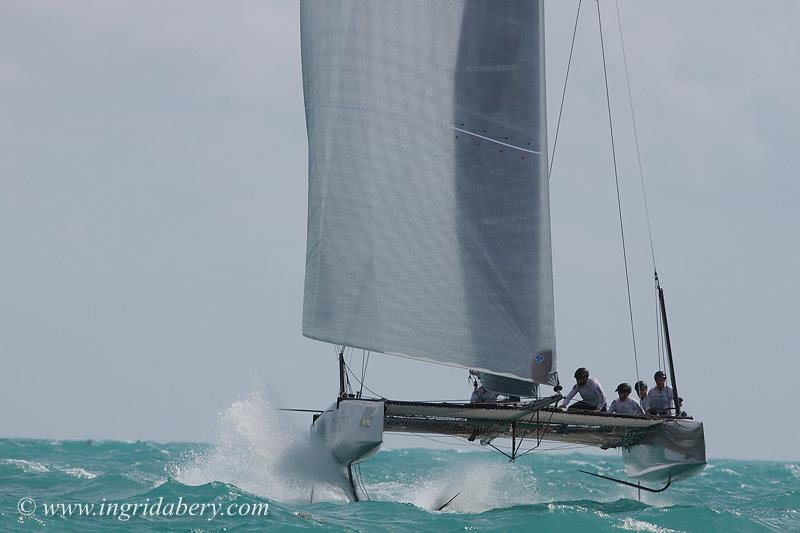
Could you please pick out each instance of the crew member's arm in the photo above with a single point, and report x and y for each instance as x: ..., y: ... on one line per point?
x: 569, y: 396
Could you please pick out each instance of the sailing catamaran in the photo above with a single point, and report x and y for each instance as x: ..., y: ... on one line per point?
x: 429, y: 227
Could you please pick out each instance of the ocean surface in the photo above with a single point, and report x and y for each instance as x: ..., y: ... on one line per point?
x: 260, y: 475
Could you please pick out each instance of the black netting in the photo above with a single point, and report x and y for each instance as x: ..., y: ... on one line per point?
x: 483, y: 423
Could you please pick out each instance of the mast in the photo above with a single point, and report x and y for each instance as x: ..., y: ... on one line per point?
x: 341, y: 373
x: 669, y: 345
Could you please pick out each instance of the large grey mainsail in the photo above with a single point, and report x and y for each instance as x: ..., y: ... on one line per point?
x: 428, y: 203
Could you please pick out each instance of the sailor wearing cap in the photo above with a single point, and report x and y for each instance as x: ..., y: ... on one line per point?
x: 660, y: 399
x: 625, y: 405
x: 641, y: 390
x: 592, y: 396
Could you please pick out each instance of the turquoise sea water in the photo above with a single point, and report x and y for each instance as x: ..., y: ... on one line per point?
x: 543, y: 491
x: 260, y: 473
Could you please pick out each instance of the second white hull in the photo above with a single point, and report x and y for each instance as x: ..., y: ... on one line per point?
x: 675, y: 452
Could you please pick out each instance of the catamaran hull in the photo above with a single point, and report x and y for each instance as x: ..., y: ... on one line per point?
x: 654, y: 450
x: 351, y: 430
x: 675, y: 450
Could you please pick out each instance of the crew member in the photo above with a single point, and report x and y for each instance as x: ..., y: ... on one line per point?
x: 592, y: 396
x: 641, y: 391
x: 660, y: 399
x: 625, y: 405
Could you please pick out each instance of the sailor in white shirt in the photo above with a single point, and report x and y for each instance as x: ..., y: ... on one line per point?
x: 592, y: 396
x: 641, y: 391
x: 660, y: 398
x: 625, y: 405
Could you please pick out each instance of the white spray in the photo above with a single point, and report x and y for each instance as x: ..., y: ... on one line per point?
x: 260, y: 450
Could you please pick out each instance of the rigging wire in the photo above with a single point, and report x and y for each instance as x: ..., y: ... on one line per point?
x: 659, y: 341
x: 616, y: 182
x: 557, y: 448
x: 461, y: 440
x: 364, y: 364
x: 636, y: 137
x: 361, y: 383
x: 564, y: 92
x: 343, y: 351
x: 347, y: 379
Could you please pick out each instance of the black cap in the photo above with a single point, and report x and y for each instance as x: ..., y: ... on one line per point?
x: 659, y: 374
x: 640, y: 385
x: 623, y: 387
x: 581, y: 373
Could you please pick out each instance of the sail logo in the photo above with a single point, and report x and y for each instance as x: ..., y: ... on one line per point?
x: 366, y: 418
x: 539, y: 358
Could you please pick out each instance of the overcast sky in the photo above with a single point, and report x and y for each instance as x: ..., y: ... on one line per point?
x: 153, y: 207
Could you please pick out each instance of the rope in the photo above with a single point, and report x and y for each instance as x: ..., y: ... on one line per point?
x: 448, y: 443
x: 659, y: 346
x: 344, y: 350
x: 636, y: 138
x: 349, y: 387
x: 460, y: 440
x: 556, y: 448
x: 564, y: 92
x: 364, y: 364
x: 616, y: 182
x: 360, y: 382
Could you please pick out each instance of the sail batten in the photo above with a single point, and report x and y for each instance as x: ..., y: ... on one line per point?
x: 428, y: 216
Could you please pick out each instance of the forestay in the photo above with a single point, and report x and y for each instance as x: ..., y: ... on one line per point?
x: 428, y: 212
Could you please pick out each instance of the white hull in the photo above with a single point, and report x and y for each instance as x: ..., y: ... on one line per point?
x: 351, y: 430
x: 676, y: 452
